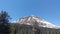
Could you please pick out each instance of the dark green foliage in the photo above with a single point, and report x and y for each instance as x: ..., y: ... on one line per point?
x: 12, y: 29
x: 4, y: 23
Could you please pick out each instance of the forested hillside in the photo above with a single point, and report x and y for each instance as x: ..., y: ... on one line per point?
x: 26, y: 29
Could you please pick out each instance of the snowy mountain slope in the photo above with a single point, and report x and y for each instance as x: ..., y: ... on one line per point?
x: 34, y: 21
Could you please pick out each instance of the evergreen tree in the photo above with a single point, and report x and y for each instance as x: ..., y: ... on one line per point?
x: 12, y: 29
x: 4, y: 23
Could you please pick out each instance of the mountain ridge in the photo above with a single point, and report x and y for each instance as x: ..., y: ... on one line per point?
x: 34, y: 21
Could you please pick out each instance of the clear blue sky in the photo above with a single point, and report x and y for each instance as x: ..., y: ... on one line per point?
x: 47, y: 9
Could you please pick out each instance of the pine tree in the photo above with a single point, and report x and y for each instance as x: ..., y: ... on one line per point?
x: 4, y: 23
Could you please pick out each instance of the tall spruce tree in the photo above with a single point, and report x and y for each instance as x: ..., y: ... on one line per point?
x: 4, y: 23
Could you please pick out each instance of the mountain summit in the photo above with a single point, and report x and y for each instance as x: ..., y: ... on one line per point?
x: 36, y: 21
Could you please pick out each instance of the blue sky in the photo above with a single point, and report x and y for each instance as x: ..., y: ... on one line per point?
x: 46, y: 9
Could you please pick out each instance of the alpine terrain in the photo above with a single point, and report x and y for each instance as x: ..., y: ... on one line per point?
x: 34, y: 20
x: 34, y: 25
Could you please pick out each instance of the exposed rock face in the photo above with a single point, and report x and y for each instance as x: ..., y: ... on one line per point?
x: 36, y: 21
x: 35, y: 25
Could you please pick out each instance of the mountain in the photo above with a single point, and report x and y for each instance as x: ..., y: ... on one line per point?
x: 36, y: 21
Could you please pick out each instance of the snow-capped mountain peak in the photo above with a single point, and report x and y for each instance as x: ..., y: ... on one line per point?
x: 34, y: 21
